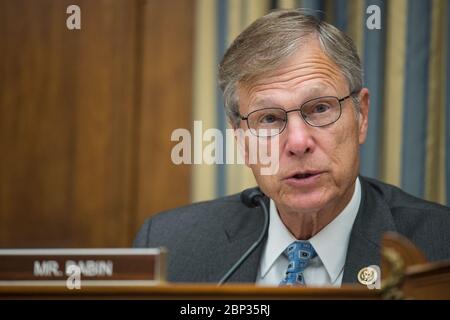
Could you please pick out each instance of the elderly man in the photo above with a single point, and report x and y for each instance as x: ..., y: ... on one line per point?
x: 296, y: 80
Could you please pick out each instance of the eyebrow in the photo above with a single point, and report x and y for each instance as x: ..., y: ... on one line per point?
x: 316, y: 91
x: 264, y: 102
x: 267, y: 102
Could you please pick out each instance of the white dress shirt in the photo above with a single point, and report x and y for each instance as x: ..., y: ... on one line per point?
x: 331, y: 243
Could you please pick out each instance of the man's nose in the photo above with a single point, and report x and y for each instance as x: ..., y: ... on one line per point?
x: 299, y: 138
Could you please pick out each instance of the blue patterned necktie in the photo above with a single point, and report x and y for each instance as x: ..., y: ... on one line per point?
x: 299, y: 254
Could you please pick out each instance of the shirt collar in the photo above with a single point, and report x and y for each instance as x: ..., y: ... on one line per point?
x: 330, y: 243
x: 278, y: 238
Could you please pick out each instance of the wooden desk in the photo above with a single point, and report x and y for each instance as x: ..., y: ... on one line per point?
x: 406, y: 275
x: 185, y: 292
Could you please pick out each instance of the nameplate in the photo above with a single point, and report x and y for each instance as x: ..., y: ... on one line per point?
x: 84, y: 264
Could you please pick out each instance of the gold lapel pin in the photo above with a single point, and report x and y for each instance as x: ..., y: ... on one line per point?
x: 368, y: 276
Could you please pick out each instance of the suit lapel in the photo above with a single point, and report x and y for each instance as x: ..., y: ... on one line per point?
x: 241, y: 234
x: 372, y: 221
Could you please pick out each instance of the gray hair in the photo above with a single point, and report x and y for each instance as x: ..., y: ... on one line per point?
x: 270, y: 40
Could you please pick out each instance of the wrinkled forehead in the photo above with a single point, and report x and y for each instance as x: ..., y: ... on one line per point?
x: 262, y: 99
x: 308, y: 66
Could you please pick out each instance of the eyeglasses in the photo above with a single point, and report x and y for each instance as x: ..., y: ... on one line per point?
x: 317, y: 112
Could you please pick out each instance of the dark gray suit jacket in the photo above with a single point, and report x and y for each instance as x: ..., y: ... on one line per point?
x: 205, y: 239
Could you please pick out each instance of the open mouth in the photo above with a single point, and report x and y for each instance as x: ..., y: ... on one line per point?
x: 304, y: 175
x: 304, y: 179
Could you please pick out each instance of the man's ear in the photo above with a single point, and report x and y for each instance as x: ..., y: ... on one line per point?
x: 363, y: 122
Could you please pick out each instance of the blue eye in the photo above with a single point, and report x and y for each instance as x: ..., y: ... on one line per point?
x: 269, y: 118
x: 320, y: 108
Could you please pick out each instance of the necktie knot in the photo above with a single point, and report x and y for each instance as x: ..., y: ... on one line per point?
x: 299, y: 254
